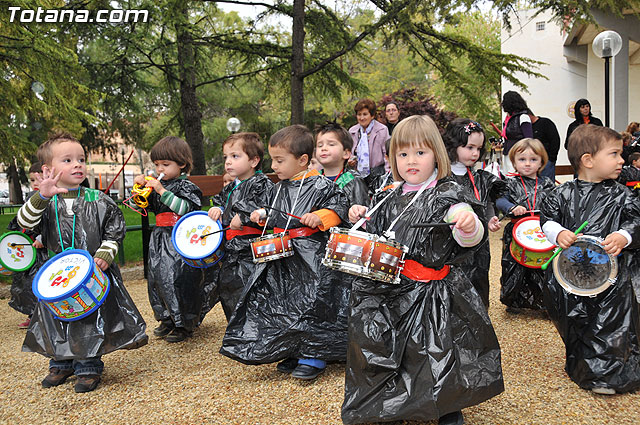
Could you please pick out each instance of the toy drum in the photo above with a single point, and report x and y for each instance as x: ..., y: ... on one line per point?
x: 271, y: 247
x: 387, y: 260
x: 530, y: 246
x: 195, y: 250
x: 17, y: 253
x: 71, y: 285
x: 585, y: 269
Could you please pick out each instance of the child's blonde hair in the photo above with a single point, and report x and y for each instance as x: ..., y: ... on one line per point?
x: 535, y: 145
x: 172, y: 148
x: 418, y: 131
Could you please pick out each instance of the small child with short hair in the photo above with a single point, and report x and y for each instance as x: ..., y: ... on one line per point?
x: 294, y: 309
x: 175, y: 288
x: 226, y: 179
x: 72, y: 216
x: 521, y: 287
x: 600, y: 333
x: 243, y: 155
x: 631, y: 173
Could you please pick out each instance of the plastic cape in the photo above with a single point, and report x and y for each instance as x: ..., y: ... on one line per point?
x: 600, y: 333
x: 489, y: 188
x: 117, y: 323
x: 418, y: 351
x: 22, y: 297
x: 294, y: 306
x: 354, y: 187
x: 175, y: 288
x: 629, y: 174
x: 237, y: 263
x: 521, y: 287
x: 374, y: 179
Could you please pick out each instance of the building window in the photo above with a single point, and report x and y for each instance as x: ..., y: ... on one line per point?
x: 540, y: 26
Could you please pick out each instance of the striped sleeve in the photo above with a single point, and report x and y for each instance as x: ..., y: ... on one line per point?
x: 465, y: 240
x: 107, y: 251
x: 31, y: 212
x: 177, y: 204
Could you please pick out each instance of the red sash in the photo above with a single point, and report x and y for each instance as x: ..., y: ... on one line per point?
x: 246, y: 230
x: 298, y: 232
x: 416, y: 271
x: 167, y: 219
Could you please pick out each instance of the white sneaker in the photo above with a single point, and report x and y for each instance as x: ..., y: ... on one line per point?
x: 603, y: 391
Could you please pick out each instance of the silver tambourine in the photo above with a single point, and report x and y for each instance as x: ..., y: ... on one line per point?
x: 585, y: 269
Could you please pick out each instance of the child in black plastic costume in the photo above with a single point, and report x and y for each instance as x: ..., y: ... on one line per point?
x: 424, y: 348
x: 73, y: 216
x: 521, y: 287
x: 294, y: 309
x: 175, y: 288
x: 600, y: 333
x: 243, y: 153
x: 465, y: 142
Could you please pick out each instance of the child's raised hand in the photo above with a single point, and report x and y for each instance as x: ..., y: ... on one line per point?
x: 566, y: 238
x: 49, y: 183
x: 139, y: 180
x: 214, y: 213
x: 466, y: 221
x: 353, y: 161
x: 101, y: 263
x: 519, y: 210
x: 311, y: 220
x: 258, y: 216
x: 494, y: 224
x: 236, y: 223
x: 614, y: 243
x: 356, y: 212
x: 156, y: 185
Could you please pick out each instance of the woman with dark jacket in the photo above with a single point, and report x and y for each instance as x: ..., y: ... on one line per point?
x: 517, y: 124
x: 582, y: 113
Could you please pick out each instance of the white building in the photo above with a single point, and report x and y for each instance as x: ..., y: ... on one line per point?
x: 574, y: 71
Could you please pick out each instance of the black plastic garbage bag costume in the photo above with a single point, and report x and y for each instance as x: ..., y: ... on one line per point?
x: 22, y: 297
x: 293, y: 307
x: 240, y: 198
x: 600, y: 333
x: 418, y: 351
x: 117, y: 323
x: 489, y: 188
x: 175, y: 288
x: 354, y: 186
x: 521, y: 287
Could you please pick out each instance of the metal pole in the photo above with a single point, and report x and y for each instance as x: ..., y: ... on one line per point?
x: 606, y: 91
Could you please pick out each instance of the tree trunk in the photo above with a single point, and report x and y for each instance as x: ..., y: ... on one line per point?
x: 297, y: 63
x: 189, y: 107
x: 15, y: 190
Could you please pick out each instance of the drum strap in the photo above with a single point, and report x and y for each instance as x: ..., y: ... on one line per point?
x: 416, y: 271
x: 473, y: 183
x: 264, y: 228
x: 535, y: 194
x: 583, y: 214
x: 73, y: 227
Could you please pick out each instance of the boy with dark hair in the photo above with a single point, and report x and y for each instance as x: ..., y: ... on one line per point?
x: 630, y: 174
x: 600, y: 333
x: 243, y: 154
x: 293, y: 308
x: 71, y: 216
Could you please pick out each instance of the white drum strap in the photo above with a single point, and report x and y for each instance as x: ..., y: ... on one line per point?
x: 360, y: 222
x: 264, y: 229
x: 422, y: 189
x: 295, y: 201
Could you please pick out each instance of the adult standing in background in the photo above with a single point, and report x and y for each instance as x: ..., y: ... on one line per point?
x: 546, y: 131
x: 582, y: 113
x: 517, y: 124
x: 369, y: 136
x: 392, y: 114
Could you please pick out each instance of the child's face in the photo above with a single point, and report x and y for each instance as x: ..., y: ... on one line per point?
x: 68, y: 157
x: 636, y: 163
x: 285, y: 164
x: 237, y: 162
x: 33, y: 180
x: 527, y: 163
x: 469, y: 154
x: 415, y: 164
x: 314, y: 164
x: 364, y: 117
x: 329, y: 150
x: 607, y: 162
x: 171, y: 169
x: 226, y: 179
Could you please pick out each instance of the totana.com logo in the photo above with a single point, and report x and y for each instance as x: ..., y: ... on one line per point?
x: 80, y: 16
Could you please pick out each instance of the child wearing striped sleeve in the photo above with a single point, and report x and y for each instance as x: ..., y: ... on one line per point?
x: 71, y: 216
x: 422, y: 348
x: 175, y: 288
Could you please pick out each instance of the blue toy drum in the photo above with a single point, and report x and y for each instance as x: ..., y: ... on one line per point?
x: 71, y: 285
x: 196, y: 250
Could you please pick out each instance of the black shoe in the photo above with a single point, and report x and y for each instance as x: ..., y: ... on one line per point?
x: 306, y: 372
x: 178, y: 335
x: 87, y: 383
x: 513, y: 310
x: 56, y: 377
x: 453, y: 418
x: 287, y: 366
x: 164, y: 329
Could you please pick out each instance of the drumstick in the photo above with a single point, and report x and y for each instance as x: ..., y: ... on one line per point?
x: 213, y: 233
x: 19, y: 244
x: 283, y: 212
x: 452, y: 223
x: 559, y: 250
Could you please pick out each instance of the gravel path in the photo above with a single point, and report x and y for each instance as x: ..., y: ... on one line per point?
x: 190, y: 383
